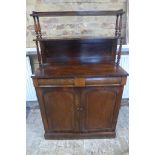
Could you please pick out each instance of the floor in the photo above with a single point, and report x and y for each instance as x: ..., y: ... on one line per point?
x: 37, y: 145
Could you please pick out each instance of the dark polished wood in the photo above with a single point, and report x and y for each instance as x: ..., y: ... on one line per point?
x: 32, y: 55
x: 76, y: 51
x: 81, y: 70
x: 43, y: 45
x: 78, y: 13
x: 61, y: 109
x: 79, y: 101
x: 98, y: 104
x: 79, y: 83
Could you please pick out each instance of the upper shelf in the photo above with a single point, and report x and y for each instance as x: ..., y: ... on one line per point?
x: 78, y: 13
x: 74, y: 38
x: 78, y: 50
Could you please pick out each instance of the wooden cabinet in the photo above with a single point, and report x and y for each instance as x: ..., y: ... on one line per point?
x: 72, y: 111
x: 79, y: 82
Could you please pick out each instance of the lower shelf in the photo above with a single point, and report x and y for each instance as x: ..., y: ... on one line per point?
x: 108, y: 134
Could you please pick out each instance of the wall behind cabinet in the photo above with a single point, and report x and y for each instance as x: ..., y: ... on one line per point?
x: 74, y: 26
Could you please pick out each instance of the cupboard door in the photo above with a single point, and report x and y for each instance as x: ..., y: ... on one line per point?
x: 60, y: 106
x: 98, y: 105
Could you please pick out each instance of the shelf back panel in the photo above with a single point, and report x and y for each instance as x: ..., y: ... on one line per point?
x: 79, y: 51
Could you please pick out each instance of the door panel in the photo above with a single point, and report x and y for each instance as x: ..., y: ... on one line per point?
x: 60, y: 105
x: 98, y: 104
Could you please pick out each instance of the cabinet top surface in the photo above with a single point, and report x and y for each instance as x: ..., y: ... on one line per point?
x: 82, y: 70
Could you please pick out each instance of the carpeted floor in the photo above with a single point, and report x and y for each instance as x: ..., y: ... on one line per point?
x: 37, y: 145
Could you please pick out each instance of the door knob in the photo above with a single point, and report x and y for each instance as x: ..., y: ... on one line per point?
x: 80, y: 109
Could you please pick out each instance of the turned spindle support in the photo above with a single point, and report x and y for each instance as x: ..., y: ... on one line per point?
x: 116, y: 26
x: 119, y: 39
x: 39, y: 27
x: 120, y: 26
x: 38, y: 35
x: 119, y: 52
x: 38, y: 53
x: 36, y: 27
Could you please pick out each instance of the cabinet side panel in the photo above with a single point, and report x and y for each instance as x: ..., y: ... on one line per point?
x: 117, y: 105
x: 39, y: 93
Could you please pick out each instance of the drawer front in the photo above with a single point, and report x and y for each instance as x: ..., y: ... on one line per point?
x: 80, y: 82
x: 103, y: 81
x: 56, y: 82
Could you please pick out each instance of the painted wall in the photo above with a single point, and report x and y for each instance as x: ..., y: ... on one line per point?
x: 73, y: 26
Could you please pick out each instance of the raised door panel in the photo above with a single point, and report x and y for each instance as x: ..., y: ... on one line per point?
x: 98, y: 104
x: 60, y: 106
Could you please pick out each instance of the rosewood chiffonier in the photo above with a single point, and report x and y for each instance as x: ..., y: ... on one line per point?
x: 79, y: 82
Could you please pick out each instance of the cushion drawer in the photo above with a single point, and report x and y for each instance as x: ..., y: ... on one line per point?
x: 80, y: 82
